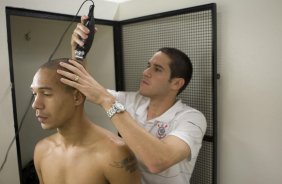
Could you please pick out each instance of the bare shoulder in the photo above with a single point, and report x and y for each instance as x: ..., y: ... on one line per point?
x: 42, y: 148
x: 44, y: 145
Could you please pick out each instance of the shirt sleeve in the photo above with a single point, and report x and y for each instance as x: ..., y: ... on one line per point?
x: 126, y: 98
x: 190, y: 127
x: 120, y: 96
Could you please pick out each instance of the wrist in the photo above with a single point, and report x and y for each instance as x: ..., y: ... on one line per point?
x: 115, y: 109
x: 107, y: 102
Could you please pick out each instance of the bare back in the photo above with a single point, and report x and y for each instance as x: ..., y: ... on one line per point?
x: 102, y: 159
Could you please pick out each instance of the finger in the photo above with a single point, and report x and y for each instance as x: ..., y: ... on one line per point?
x: 83, y: 18
x: 69, y: 76
x: 82, y: 28
x: 73, y: 70
x: 81, y: 31
x: 76, y: 40
x: 78, y: 36
x: 79, y: 66
x: 71, y: 83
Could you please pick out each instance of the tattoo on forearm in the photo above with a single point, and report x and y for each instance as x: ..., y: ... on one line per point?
x: 129, y: 164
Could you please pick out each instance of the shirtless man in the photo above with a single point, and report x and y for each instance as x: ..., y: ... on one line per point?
x: 80, y: 152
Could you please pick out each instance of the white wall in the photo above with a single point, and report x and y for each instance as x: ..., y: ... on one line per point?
x: 249, y: 91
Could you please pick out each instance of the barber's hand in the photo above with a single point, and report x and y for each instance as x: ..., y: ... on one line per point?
x: 79, y: 34
x: 84, y: 82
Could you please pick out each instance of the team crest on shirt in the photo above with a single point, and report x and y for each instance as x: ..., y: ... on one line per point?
x: 162, y: 128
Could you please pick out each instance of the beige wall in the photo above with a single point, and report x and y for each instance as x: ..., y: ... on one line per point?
x: 249, y: 91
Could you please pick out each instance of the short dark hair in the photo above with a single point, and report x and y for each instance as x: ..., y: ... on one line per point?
x: 180, y: 65
x: 55, y: 63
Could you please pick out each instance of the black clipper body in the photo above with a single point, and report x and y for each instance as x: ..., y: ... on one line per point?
x: 81, y: 52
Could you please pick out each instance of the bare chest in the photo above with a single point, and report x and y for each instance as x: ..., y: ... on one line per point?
x: 72, y: 167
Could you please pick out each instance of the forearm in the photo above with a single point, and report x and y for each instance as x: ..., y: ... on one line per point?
x: 152, y: 152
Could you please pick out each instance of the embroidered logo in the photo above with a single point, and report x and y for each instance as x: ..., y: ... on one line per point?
x: 161, y: 133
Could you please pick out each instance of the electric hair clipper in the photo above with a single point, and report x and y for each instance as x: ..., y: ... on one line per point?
x: 81, y: 52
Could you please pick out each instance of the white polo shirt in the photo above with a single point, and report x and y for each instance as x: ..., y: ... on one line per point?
x: 181, y: 121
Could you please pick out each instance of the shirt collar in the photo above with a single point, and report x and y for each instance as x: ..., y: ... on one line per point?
x: 167, y: 116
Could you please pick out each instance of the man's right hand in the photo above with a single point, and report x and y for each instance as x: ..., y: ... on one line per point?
x: 79, y: 34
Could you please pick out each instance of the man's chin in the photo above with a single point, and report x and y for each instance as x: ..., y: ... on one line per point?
x: 144, y: 93
x: 45, y: 127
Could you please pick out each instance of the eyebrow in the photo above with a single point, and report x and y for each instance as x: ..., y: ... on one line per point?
x: 42, y: 88
x: 156, y: 65
x: 159, y: 66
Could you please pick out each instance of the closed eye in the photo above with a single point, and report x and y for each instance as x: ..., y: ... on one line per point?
x: 47, y: 94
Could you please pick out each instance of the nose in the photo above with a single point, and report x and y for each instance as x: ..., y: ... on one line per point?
x: 147, y: 72
x: 37, y: 103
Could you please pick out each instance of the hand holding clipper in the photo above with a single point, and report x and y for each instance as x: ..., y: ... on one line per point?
x: 81, y: 51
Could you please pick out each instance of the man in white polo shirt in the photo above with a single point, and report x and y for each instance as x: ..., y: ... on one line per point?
x: 181, y: 121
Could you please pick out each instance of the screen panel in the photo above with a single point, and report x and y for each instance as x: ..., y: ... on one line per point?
x: 193, y: 31
x: 203, y: 172
x: 190, y: 33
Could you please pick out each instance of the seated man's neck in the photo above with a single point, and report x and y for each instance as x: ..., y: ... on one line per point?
x: 74, y: 134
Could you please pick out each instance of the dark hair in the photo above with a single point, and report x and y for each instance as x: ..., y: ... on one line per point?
x: 180, y: 65
x: 55, y: 63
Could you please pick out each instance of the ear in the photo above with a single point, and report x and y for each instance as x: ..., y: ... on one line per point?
x: 78, y: 97
x: 177, y: 83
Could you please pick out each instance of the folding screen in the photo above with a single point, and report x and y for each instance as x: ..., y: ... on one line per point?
x: 192, y: 30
